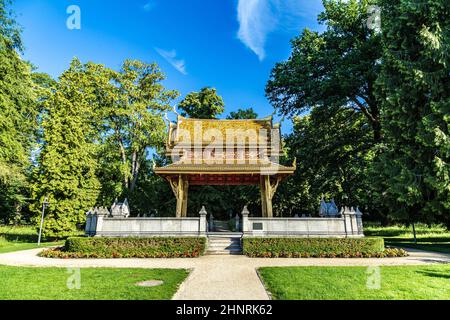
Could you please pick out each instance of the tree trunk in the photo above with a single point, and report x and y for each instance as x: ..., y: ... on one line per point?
x: 124, y: 162
x: 18, y: 214
x: 376, y: 126
x: 136, y: 165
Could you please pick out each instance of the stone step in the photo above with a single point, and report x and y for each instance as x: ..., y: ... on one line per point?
x: 224, y: 248
x: 225, y: 234
x: 224, y: 240
x: 214, y: 248
x: 224, y: 245
x: 223, y: 252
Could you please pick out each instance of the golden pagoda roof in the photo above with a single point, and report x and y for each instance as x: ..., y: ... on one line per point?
x: 258, y: 129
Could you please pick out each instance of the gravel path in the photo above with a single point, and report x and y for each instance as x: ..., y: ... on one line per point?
x: 219, y: 277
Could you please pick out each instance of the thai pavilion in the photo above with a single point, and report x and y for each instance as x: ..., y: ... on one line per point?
x: 224, y: 152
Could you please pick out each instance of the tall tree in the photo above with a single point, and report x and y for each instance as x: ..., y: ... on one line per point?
x: 334, y: 148
x: 68, y: 160
x: 205, y: 104
x: 134, y: 117
x: 9, y: 30
x: 338, y: 67
x: 243, y: 114
x: 414, y: 90
x: 17, y: 119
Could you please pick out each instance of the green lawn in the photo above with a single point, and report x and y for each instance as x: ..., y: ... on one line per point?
x: 15, y: 238
x: 350, y: 283
x: 19, y: 283
x: 6, y: 247
x: 434, y: 238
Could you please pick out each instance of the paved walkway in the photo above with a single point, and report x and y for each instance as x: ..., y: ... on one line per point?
x: 218, y: 277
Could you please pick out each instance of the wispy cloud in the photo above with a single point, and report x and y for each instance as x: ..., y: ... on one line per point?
x: 171, y: 57
x: 149, y: 5
x: 258, y: 18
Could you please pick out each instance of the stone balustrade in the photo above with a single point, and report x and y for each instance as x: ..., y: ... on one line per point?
x: 347, y: 224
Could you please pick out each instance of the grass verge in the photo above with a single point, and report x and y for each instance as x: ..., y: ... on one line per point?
x: 351, y: 283
x: 16, y: 238
x: 24, y: 283
x: 431, y: 238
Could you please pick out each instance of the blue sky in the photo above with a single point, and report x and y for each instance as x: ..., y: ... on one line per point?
x: 231, y: 45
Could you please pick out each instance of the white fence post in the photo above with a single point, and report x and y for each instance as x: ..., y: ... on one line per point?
x: 203, y: 223
x: 351, y: 224
x: 359, y: 222
x: 245, y: 223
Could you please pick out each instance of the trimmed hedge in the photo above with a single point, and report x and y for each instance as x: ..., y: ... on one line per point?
x: 317, y: 247
x: 157, y: 247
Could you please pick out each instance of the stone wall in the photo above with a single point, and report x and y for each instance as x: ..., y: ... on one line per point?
x: 347, y: 224
x: 106, y: 226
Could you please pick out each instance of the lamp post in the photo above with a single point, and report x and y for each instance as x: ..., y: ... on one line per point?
x: 44, y: 205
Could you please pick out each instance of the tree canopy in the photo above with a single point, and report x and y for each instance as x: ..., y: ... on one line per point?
x: 205, y: 104
x: 18, y: 119
x: 337, y: 67
x: 243, y: 114
x: 414, y: 91
x: 333, y: 147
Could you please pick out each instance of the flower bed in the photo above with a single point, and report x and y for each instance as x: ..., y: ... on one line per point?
x: 319, y: 248
x: 156, y: 247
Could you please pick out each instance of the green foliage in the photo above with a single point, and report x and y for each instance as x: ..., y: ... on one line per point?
x: 18, y: 123
x: 315, y: 247
x: 414, y: 90
x: 157, y: 247
x: 16, y: 238
x: 328, y: 81
x: 429, y: 238
x: 98, y: 126
x: 152, y: 195
x: 216, y: 199
x: 335, y: 68
x: 205, y: 104
x: 9, y: 30
x: 67, y: 162
x: 132, y: 121
x: 334, y: 149
x: 243, y: 114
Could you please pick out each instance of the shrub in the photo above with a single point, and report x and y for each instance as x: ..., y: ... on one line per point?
x: 156, y: 247
x: 317, y: 247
